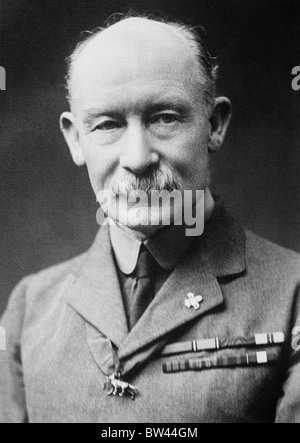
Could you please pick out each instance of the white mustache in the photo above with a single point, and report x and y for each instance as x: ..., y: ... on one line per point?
x: 158, y: 179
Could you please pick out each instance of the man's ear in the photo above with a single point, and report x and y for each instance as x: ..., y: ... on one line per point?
x: 70, y: 132
x: 219, y: 121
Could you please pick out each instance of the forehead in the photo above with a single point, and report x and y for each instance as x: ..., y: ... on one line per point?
x: 125, y: 59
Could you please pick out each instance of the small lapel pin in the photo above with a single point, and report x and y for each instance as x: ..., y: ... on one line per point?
x: 193, y: 301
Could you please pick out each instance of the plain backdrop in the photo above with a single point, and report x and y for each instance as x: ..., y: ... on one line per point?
x: 47, y: 209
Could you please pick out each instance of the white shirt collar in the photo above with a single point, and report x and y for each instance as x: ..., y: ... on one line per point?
x: 126, y: 249
x: 167, y: 246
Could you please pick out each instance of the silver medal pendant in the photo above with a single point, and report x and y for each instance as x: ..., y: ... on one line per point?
x: 116, y: 386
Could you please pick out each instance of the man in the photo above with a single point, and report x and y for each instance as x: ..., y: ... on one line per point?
x: 191, y: 328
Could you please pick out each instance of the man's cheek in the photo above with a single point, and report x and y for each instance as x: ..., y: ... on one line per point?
x: 191, y: 163
x: 96, y: 177
x: 179, y: 157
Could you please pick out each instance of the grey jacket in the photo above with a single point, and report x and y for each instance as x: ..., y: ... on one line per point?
x: 66, y: 325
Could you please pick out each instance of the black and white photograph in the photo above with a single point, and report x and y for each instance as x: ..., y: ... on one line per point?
x: 150, y: 214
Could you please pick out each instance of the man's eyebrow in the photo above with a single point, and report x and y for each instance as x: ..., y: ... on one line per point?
x: 149, y: 106
x: 92, y: 114
x: 172, y: 103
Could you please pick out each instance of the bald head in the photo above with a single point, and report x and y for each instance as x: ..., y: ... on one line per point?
x: 134, y: 48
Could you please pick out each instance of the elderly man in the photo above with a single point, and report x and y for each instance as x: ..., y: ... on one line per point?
x: 176, y: 328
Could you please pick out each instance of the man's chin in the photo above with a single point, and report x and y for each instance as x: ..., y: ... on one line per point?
x: 144, y: 219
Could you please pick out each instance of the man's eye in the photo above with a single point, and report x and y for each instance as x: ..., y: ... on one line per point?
x: 166, y: 119
x: 108, y: 125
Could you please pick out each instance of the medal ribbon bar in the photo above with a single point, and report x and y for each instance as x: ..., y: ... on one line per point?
x: 212, y: 344
x: 247, y: 359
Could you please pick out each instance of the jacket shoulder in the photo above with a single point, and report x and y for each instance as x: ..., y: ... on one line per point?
x: 270, y: 257
x: 37, y: 292
x: 56, y: 274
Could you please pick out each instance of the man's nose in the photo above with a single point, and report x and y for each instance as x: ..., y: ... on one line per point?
x: 138, y: 153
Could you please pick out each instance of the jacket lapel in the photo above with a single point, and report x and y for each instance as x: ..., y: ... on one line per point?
x: 220, y: 252
x: 96, y: 293
x: 167, y: 312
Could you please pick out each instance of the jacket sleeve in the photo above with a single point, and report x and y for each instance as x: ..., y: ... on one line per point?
x: 12, y: 391
x: 288, y: 409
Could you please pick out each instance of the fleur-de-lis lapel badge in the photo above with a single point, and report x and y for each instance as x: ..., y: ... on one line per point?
x: 193, y: 301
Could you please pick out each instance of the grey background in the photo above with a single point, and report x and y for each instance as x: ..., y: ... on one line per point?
x: 47, y: 209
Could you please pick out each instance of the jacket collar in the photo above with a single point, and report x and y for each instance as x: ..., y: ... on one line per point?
x: 96, y: 293
x: 224, y: 240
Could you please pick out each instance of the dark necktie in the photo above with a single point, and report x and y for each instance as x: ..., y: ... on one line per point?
x: 143, y: 288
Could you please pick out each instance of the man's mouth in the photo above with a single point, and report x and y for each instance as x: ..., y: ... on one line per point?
x: 158, y: 179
